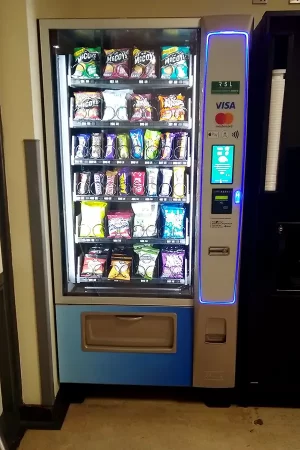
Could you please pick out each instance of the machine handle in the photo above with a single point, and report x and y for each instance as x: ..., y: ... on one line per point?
x: 129, y: 318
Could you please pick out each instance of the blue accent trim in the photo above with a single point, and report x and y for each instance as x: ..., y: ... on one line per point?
x: 246, y: 35
x: 156, y: 369
x: 237, y: 197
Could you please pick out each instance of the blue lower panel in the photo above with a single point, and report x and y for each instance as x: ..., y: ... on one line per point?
x: 157, y: 369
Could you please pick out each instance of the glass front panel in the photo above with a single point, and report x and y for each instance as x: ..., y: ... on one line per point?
x: 126, y: 129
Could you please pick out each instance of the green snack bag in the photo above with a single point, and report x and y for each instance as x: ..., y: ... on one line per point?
x: 151, y: 140
x: 87, y: 62
x: 147, y: 260
x: 123, y: 146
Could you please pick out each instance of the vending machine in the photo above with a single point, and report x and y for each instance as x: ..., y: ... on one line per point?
x: 270, y: 286
x: 145, y: 125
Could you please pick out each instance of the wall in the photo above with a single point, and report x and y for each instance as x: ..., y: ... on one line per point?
x: 21, y: 112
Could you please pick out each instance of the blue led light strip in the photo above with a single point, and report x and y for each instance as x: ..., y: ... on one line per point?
x: 246, y: 36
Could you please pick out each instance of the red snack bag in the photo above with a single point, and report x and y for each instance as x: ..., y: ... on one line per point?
x: 93, y: 266
x: 138, y: 183
x: 117, y: 63
x: 119, y: 224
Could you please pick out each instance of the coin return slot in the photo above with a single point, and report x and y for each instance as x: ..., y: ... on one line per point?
x: 215, y: 331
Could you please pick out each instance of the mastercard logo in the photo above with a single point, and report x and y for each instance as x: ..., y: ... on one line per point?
x: 224, y: 118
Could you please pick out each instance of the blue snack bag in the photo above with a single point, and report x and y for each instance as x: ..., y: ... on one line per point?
x: 173, y: 226
x: 137, y: 143
x: 175, y: 63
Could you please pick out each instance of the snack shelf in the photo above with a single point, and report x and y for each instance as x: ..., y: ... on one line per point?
x: 155, y: 125
x: 154, y: 83
x: 132, y: 281
x: 129, y: 162
x: 142, y: 240
x: 130, y: 198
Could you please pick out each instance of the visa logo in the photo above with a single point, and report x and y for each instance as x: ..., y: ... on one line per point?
x: 225, y: 105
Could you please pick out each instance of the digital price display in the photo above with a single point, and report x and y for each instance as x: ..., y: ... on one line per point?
x: 222, y: 161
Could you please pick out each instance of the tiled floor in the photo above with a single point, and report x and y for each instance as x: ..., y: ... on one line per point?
x: 110, y: 424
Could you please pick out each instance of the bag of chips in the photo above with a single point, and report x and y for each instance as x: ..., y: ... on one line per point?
x: 82, y: 148
x: 172, y: 107
x: 147, y: 260
x: 110, y: 150
x: 179, y: 189
x: 124, y: 185
x: 87, y: 62
x: 173, y: 226
x: 172, y: 263
x: 167, y: 145
x: 97, y: 141
x: 117, y: 63
x: 84, y: 184
x: 98, y: 185
x: 138, y: 182
x: 145, y: 218
x: 92, y: 219
x: 137, y: 143
x: 116, y: 104
x: 181, y: 148
x: 87, y: 105
x: 143, y: 64
x: 119, y: 224
x: 175, y: 63
x: 165, y: 188
x: 152, y: 139
x: 152, y: 176
x: 123, y: 146
x: 93, y: 265
x: 120, y: 268
x: 142, y: 109
x: 111, y: 182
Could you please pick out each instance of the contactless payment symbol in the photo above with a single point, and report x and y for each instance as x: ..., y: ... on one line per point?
x: 224, y: 118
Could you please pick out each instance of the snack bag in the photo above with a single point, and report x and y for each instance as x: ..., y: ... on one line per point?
x: 93, y: 265
x: 137, y: 143
x: 98, y: 185
x: 138, y: 183
x: 172, y: 107
x: 172, y: 263
x: 147, y: 260
x: 123, y: 146
x: 178, y: 182
x: 83, y: 186
x: 116, y: 104
x: 152, y: 175
x: 165, y: 189
x: 111, y: 182
x: 82, y: 148
x: 92, y: 219
x: 175, y: 63
x: 145, y: 218
x: 97, y: 141
x: 167, y: 145
x: 119, y: 224
x: 181, y: 145
x: 110, y: 149
x: 142, y: 109
x: 117, y: 63
x: 87, y: 62
x: 173, y: 226
x: 120, y: 267
x: 143, y: 64
x: 87, y: 105
x: 124, y: 186
x: 151, y: 139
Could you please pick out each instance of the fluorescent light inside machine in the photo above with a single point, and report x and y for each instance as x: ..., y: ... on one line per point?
x: 246, y: 35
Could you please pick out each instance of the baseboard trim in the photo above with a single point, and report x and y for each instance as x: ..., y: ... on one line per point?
x: 45, y: 417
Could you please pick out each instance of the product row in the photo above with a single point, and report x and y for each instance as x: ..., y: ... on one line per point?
x: 153, y: 182
x: 131, y: 63
x: 141, y: 220
x: 137, y: 144
x: 125, y: 105
x: 144, y: 261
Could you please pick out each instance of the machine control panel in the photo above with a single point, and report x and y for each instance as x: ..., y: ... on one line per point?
x: 221, y: 201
